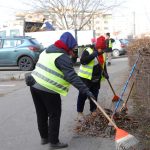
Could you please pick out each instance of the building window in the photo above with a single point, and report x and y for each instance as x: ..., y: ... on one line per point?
x: 107, y: 16
x: 98, y: 28
x: 2, y: 33
x: 97, y: 22
x: 14, y: 32
x: 105, y: 28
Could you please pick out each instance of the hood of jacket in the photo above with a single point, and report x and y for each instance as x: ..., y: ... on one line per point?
x: 66, y: 43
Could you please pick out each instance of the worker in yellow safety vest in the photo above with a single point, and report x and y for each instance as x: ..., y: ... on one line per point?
x: 108, y: 49
x: 91, y: 71
x: 50, y: 79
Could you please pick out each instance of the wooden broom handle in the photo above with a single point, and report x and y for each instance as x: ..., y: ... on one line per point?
x: 107, y: 79
x: 111, y: 86
x: 102, y: 110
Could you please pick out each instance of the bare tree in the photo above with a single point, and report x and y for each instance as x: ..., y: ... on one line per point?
x: 72, y: 14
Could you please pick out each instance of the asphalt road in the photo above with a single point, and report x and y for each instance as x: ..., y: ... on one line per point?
x: 18, y: 129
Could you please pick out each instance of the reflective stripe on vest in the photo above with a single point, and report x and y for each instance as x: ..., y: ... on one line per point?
x: 48, y: 75
x: 110, y: 44
x: 85, y: 71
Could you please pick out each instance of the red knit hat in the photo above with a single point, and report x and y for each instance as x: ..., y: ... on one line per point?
x: 100, y: 43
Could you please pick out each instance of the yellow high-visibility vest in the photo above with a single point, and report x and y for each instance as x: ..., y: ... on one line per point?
x: 110, y: 44
x: 48, y: 75
x: 85, y: 71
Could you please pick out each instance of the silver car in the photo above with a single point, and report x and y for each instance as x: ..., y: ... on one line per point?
x: 119, y: 48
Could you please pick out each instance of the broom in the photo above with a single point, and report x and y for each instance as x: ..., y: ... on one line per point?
x: 101, y: 45
x: 115, y: 98
x: 123, y: 139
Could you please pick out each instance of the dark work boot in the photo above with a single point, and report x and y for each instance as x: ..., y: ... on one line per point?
x: 44, y: 141
x: 109, y: 63
x: 57, y: 146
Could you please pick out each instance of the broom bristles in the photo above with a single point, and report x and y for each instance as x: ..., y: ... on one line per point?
x: 124, y: 143
x: 115, y: 98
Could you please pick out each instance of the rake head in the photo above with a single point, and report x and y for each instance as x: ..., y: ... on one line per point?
x: 123, y: 110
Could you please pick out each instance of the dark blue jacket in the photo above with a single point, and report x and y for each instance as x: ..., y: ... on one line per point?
x: 64, y: 64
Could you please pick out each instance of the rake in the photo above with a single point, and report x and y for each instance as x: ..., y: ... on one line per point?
x: 123, y: 139
x: 126, y: 84
x: 124, y: 106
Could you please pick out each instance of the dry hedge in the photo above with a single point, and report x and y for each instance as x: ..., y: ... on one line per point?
x: 141, y: 92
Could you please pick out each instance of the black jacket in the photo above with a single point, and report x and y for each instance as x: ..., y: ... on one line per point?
x: 97, y: 70
x: 65, y: 64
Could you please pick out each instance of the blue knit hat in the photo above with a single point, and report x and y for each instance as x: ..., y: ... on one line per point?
x: 68, y: 39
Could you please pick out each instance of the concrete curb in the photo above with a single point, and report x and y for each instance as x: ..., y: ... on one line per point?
x: 18, y: 75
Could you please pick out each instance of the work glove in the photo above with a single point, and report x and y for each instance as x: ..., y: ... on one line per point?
x: 90, y: 95
x: 29, y: 79
x: 105, y: 75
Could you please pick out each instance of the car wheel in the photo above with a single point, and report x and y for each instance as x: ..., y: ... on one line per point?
x: 25, y: 63
x: 115, y: 53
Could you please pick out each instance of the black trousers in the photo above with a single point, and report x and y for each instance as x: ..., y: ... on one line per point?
x: 82, y: 98
x: 48, y: 110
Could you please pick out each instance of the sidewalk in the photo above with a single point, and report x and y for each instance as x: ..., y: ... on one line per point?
x: 12, y: 75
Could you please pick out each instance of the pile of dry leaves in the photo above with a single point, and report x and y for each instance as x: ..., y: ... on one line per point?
x: 98, y: 125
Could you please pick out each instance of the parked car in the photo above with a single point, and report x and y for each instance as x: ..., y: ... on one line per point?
x: 125, y: 41
x: 19, y: 51
x: 119, y: 48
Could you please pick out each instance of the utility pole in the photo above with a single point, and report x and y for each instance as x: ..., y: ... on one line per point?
x: 134, y: 27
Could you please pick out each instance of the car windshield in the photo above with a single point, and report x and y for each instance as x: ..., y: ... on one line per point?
x: 124, y: 41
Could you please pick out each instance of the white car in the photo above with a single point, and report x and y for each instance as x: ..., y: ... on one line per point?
x: 119, y: 48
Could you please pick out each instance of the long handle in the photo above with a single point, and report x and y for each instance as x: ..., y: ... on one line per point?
x: 129, y: 94
x: 125, y: 103
x: 111, y: 86
x: 107, y: 79
x: 102, y: 110
x: 125, y: 86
